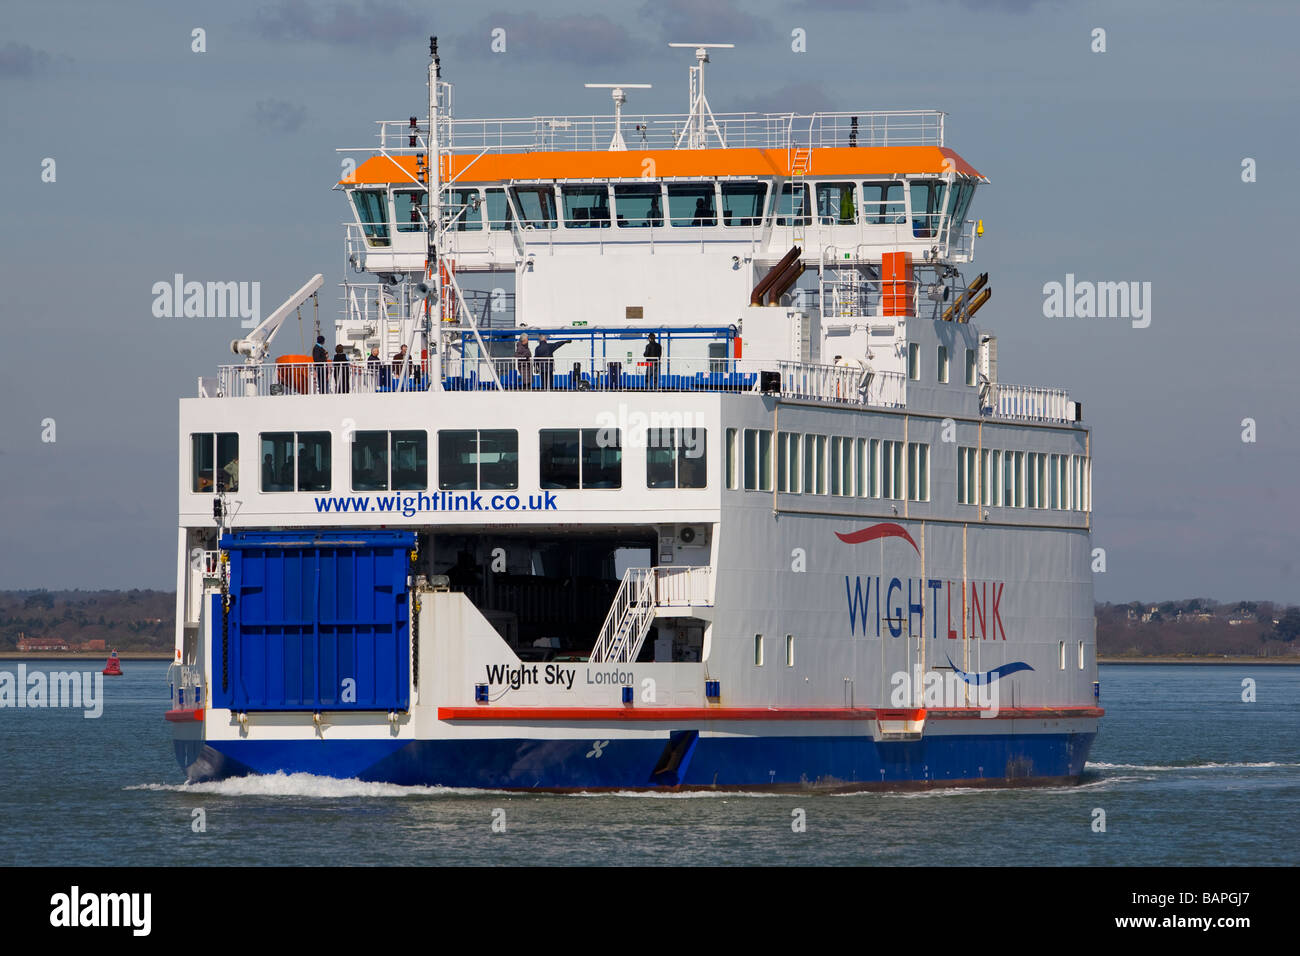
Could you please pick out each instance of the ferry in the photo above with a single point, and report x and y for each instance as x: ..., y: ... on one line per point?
x: 651, y: 452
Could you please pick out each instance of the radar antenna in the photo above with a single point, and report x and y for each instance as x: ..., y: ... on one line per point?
x: 616, y: 90
x: 696, y: 133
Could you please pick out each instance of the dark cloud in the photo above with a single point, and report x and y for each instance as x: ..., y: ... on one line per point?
x: 704, y: 21
x: 792, y: 98
x: 19, y: 59
x: 373, y: 24
x: 882, y: 6
x: 577, y: 39
x: 279, y: 116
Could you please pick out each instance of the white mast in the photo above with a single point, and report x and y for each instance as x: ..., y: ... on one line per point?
x: 696, y: 133
x: 616, y: 144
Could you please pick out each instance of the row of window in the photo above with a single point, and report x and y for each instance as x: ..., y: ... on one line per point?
x: 940, y: 364
x: 1019, y: 479
x: 645, y: 204
x: 827, y: 465
x: 759, y: 655
x: 468, y: 459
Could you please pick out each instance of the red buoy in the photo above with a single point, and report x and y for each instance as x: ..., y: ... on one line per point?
x: 114, y: 667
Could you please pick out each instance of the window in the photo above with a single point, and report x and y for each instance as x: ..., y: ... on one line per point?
x: 1031, y: 481
x: 675, y: 458
x: 994, y: 478
x: 819, y: 465
x: 384, y: 460
x: 809, y: 471
x: 873, y: 455
x: 498, y: 210
x: 787, y: 462
x: 965, y: 476
x: 1061, y: 646
x: 837, y: 444
x: 1054, y: 481
x: 214, y: 462
x: 1019, y: 478
x: 927, y: 207
x: 914, y: 362
x: 1081, y: 655
x: 487, y: 459
x: 733, y: 479
x: 758, y: 650
x: 691, y: 204
x: 918, y: 471
x: 372, y: 211
x: 882, y: 203
x: 296, y: 460
x: 941, y: 363
x: 861, y: 468
x: 1008, y: 480
x: 1042, y: 481
x: 411, y: 210
x: 586, y: 207
x: 758, y: 459
x: 789, y: 650
x: 891, y: 469
x: 794, y: 205
x: 638, y: 207
x: 835, y: 205
x: 970, y: 367
x: 987, y: 472
x: 536, y: 205
x: 581, y: 458
x: 742, y: 203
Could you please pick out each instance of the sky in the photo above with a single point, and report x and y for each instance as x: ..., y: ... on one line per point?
x: 1122, y: 165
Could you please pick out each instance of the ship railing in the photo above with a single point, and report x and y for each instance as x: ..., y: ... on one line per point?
x: 661, y: 131
x: 1028, y: 403
x: 311, y: 378
x: 683, y: 586
x: 186, y: 682
x: 848, y: 384
x: 563, y: 374
x: 628, y: 619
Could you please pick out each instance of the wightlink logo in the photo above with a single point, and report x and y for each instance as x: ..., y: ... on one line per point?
x: 36, y: 689
x: 208, y: 300
x: 411, y: 505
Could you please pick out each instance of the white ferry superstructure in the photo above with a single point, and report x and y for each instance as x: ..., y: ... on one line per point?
x: 812, y: 542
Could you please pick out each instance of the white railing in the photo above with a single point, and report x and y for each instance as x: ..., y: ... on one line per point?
x: 661, y: 130
x: 1030, y: 403
x: 684, y: 586
x: 850, y: 384
x: 311, y: 378
x: 585, y: 374
x: 628, y: 619
x: 186, y: 683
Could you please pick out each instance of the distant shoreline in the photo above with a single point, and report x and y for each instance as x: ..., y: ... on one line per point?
x: 1205, y: 659
x: 82, y: 656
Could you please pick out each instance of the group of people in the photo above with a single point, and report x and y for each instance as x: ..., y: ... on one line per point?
x: 543, y: 356
x: 339, y: 378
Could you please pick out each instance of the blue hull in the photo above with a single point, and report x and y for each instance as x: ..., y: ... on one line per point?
x: 772, y: 763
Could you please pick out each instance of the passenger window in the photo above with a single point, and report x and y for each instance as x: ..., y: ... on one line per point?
x: 581, y: 458
x: 586, y: 207
x: 835, y: 204
x: 498, y: 210
x: 466, y: 210
x: 486, y: 459
x: 370, y: 461
x: 396, y: 460
x: 214, y: 462
x: 794, y: 205
x: 372, y: 210
x: 691, y: 204
x: 411, y: 210
x: 536, y: 205
x: 409, y: 452
x: 457, y: 460
x: 313, y: 461
x: 638, y: 207
x: 742, y: 203
x: 296, y: 461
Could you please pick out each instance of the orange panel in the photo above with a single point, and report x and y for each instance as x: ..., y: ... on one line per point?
x: 896, y: 282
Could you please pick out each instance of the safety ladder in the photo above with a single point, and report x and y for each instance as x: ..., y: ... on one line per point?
x: 800, y: 164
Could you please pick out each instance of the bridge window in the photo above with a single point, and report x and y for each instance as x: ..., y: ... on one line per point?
x: 296, y: 461
x: 927, y: 207
x: 959, y: 197
x: 794, y: 206
x: 742, y: 203
x: 536, y: 205
x: 372, y: 211
x: 676, y: 458
x: 214, y: 462
x: 411, y: 210
x: 466, y: 209
x: 382, y: 460
x: 487, y: 459
x: 586, y: 207
x: 498, y: 210
x: 691, y: 204
x: 639, y: 206
x: 835, y: 205
x: 882, y: 203
x: 581, y: 458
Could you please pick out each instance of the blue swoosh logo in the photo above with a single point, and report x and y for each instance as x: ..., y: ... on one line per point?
x: 988, y: 677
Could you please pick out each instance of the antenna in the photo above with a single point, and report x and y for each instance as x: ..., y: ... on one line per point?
x: 695, y: 135
x: 617, y: 144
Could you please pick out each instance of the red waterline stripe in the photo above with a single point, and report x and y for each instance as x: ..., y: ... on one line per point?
x: 503, y: 714
x: 184, y: 716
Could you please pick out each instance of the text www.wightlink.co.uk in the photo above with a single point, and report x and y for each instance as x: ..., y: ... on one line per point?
x: 410, y: 505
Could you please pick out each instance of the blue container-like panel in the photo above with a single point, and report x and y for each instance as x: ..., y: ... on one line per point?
x: 318, y: 621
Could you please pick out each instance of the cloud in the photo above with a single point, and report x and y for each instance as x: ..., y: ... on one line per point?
x: 374, y: 24
x: 704, y: 21
x: 585, y: 39
x: 279, y: 116
x: 19, y: 59
x: 792, y: 98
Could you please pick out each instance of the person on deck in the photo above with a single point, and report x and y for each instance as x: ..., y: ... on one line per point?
x: 524, y: 360
x: 653, y: 352
x: 342, y: 370
x: 320, y: 357
x: 543, y: 355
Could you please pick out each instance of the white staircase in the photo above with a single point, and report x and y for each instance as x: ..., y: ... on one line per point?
x: 644, y: 593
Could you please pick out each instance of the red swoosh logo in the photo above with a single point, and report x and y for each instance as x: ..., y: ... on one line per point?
x: 886, y: 530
